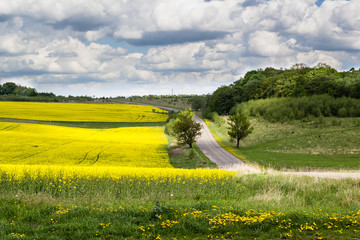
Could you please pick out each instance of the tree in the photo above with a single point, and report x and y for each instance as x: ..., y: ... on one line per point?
x: 185, y: 128
x: 222, y: 100
x: 197, y: 102
x: 8, y: 88
x: 239, y: 127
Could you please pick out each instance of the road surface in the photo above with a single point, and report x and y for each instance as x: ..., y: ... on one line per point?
x: 212, y: 150
x: 225, y: 160
x: 208, y: 145
x: 217, y: 154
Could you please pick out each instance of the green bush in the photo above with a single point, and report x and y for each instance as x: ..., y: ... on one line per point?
x: 342, y: 112
x: 217, y: 119
x: 168, y: 127
x: 307, y: 107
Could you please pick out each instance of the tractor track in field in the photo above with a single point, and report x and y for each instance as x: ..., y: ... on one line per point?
x: 97, y: 158
x: 11, y: 127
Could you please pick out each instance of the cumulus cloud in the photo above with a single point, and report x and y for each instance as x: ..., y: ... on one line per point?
x: 174, y: 37
x: 269, y: 44
x: 159, y: 45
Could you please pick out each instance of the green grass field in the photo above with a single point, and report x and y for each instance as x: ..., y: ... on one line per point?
x: 246, y: 207
x: 322, y: 144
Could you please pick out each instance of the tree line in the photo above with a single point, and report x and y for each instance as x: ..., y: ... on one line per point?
x: 11, y: 88
x: 299, y: 81
x: 10, y: 91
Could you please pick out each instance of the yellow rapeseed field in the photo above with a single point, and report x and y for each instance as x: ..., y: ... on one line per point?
x: 25, y: 143
x: 76, y: 112
x: 134, y: 174
x: 66, y: 155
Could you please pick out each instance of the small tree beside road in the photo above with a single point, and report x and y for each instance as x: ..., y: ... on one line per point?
x: 185, y: 128
x: 239, y: 127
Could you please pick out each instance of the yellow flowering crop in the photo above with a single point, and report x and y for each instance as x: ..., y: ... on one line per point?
x: 154, y: 175
x: 24, y: 143
x: 76, y: 112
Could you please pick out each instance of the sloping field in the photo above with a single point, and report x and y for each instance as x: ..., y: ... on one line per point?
x: 75, y: 112
x: 24, y: 143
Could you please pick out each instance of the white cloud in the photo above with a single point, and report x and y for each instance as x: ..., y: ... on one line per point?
x: 188, y: 41
x: 314, y: 57
x: 347, y: 16
x: 268, y: 44
x: 12, y: 44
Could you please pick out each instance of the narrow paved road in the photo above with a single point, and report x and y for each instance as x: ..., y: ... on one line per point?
x: 208, y: 145
x: 213, y: 151
x: 225, y: 160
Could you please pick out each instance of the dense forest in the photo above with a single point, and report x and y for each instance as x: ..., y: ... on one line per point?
x: 300, y: 83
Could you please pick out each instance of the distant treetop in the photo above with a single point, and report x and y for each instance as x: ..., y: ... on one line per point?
x: 300, y: 80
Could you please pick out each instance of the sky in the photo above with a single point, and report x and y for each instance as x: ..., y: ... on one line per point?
x: 140, y: 47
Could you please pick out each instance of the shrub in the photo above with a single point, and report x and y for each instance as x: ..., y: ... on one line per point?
x: 287, y: 109
x: 168, y: 127
x: 342, y: 112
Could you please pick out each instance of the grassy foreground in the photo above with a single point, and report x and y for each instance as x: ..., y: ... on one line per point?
x: 319, y: 144
x: 243, y: 207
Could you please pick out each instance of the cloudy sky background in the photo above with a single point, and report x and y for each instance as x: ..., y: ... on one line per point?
x: 137, y: 47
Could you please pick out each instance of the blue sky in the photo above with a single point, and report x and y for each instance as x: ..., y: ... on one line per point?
x: 138, y: 47
x: 319, y: 2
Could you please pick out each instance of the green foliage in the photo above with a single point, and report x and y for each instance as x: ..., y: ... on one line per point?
x: 11, y: 88
x: 158, y: 211
x: 239, y: 127
x: 172, y: 115
x: 222, y: 100
x: 168, y: 127
x: 179, y: 158
x: 214, y: 116
x: 12, y: 92
x: 191, y: 154
x: 207, y: 113
x: 197, y: 102
x: 8, y: 88
x: 288, y: 109
x: 298, y: 81
x: 186, y: 128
